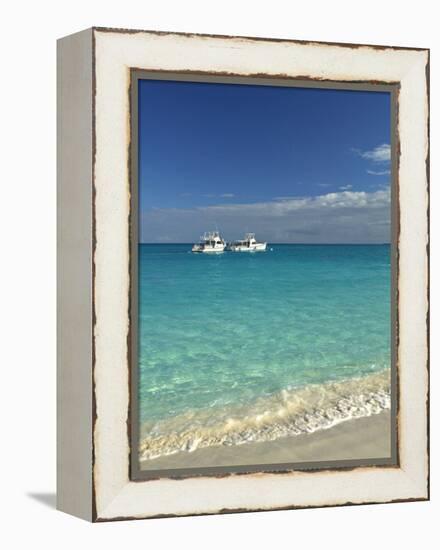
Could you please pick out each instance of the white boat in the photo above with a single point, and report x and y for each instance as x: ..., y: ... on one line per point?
x: 248, y: 244
x: 211, y: 243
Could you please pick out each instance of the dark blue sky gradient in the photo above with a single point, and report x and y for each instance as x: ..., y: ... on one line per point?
x: 199, y: 141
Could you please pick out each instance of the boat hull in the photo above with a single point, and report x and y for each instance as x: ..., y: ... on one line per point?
x: 207, y: 250
x: 260, y: 247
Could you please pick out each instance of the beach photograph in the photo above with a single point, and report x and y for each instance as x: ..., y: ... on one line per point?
x: 264, y: 270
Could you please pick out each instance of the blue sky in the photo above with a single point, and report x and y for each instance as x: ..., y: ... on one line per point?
x: 290, y: 164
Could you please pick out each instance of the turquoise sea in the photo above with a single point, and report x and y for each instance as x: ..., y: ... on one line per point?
x: 239, y: 347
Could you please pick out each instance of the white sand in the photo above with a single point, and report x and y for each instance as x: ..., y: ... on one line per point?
x: 362, y: 438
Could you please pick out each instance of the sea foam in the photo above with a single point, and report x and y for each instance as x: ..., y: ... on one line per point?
x: 290, y: 412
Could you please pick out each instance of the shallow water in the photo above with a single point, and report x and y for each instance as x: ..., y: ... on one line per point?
x: 240, y: 347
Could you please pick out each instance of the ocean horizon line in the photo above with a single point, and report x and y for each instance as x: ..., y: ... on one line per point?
x: 278, y: 244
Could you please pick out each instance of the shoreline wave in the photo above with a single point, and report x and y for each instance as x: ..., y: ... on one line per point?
x: 289, y: 412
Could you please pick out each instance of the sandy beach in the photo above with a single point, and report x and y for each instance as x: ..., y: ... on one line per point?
x: 362, y: 438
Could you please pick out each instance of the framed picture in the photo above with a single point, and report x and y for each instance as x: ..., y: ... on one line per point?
x: 242, y: 274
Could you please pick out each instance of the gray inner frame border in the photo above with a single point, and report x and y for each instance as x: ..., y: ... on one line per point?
x: 133, y: 424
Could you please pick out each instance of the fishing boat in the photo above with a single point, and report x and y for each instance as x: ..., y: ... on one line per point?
x: 248, y: 244
x: 210, y: 242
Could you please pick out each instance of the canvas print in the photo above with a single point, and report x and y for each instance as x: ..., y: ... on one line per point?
x: 264, y: 269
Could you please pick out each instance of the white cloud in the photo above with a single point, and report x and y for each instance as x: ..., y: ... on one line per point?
x: 379, y: 172
x: 227, y: 195
x: 345, y: 187
x: 329, y: 200
x: 285, y: 198
x: 343, y: 216
x: 381, y: 153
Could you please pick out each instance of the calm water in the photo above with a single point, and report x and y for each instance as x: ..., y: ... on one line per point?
x: 236, y: 346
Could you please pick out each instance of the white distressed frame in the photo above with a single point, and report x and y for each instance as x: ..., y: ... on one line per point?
x: 114, y: 495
